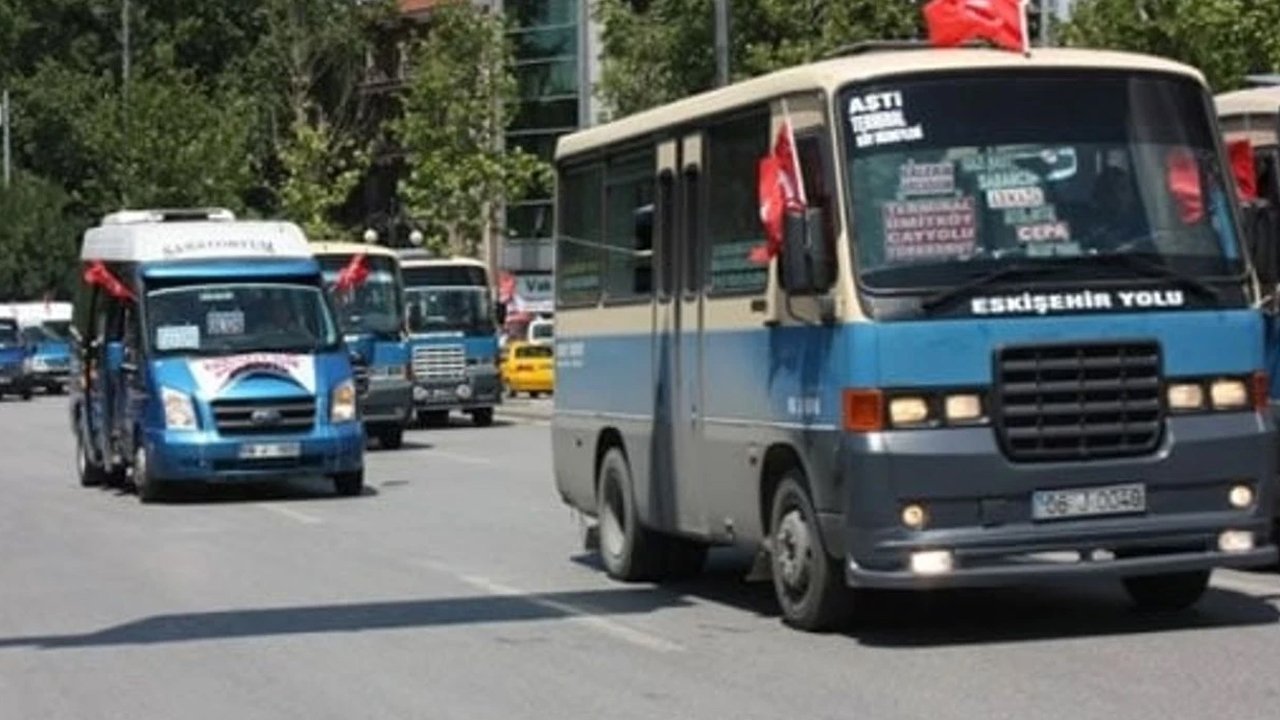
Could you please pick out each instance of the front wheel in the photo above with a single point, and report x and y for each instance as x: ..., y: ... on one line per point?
x: 149, y: 489
x: 807, y: 581
x: 349, y: 484
x: 27, y: 393
x: 483, y: 417
x: 1167, y: 592
x: 90, y: 473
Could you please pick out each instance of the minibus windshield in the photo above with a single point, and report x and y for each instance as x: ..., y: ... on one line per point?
x: 465, y: 309
x: 371, y: 307
x: 222, y: 319
x: 8, y: 333
x: 953, y: 177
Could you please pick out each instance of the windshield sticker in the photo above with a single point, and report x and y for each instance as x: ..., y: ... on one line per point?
x: 926, y: 179
x: 1031, y: 216
x: 177, y: 337
x: 1028, y: 303
x: 922, y: 229
x: 1013, y: 198
x: 230, y: 322
x: 214, y: 374
x: 880, y: 119
x: 1044, y: 232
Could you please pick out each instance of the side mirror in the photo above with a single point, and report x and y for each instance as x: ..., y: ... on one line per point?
x: 1262, y: 240
x: 806, y: 261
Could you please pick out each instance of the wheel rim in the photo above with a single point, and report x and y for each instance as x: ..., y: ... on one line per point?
x: 140, y: 469
x: 612, y: 523
x: 793, y: 550
x: 82, y: 464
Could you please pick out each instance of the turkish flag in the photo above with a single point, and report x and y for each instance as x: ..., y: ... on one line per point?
x: 1241, y: 152
x: 780, y: 190
x: 956, y: 22
x: 354, y: 274
x: 1183, y: 177
x: 97, y: 274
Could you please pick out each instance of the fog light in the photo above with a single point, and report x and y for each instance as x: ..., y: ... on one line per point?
x: 932, y: 562
x: 464, y: 391
x: 1241, y: 497
x: 1234, y: 541
x: 914, y: 516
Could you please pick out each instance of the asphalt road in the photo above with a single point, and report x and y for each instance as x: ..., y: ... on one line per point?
x: 457, y: 588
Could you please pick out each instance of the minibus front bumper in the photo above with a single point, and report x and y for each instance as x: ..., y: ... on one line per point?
x: 176, y: 455
x: 979, y: 526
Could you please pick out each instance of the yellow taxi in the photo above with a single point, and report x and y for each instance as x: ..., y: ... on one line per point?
x: 529, y: 368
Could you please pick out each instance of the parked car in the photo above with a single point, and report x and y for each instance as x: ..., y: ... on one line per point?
x: 13, y: 361
x: 529, y: 368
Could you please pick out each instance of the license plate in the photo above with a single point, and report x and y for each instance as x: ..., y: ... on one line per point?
x: 1086, y: 502
x: 261, y: 451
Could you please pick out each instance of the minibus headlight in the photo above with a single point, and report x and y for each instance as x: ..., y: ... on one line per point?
x: 342, y: 407
x: 1185, y: 396
x: 1229, y: 394
x: 964, y: 407
x: 179, y: 410
x: 909, y: 410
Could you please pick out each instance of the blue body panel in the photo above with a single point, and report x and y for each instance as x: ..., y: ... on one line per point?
x: 480, y: 381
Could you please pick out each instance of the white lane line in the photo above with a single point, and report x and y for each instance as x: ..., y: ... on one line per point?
x: 292, y: 514
x: 582, y: 616
x: 465, y: 459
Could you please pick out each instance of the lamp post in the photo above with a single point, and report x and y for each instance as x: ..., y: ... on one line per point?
x: 722, y: 42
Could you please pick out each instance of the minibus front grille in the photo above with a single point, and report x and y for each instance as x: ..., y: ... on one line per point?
x: 440, y: 362
x: 264, y: 417
x: 1078, y: 402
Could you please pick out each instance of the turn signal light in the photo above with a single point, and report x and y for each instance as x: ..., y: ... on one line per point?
x: 863, y: 410
x: 1260, y: 388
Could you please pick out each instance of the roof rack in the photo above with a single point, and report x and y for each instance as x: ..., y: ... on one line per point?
x: 873, y: 46
x: 160, y: 215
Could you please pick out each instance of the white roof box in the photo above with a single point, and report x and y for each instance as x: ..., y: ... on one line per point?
x: 143, y: 236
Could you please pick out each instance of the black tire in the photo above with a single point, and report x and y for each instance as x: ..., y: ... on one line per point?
x: 27, y: 393
x: 89, y: 472
x: 1168, y: 592
x: 482, y: 417
x: 629, y: 551
x: 391, y: 438
x: 149, y: 488
x: 349, y: 484
x: 807, y: 581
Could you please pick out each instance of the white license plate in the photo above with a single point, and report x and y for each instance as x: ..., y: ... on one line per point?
x: 1085, y: 502
x: 263, y: 451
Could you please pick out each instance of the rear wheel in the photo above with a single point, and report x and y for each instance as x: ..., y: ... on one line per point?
x: 349, y: 484
x: 27, y: 393
x: 807, y: 581
x: 482, y: 417
x: 629, y: 551
x: 90, y: 473
x: 1168, y: 592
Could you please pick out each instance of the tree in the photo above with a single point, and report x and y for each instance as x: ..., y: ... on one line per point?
x: 38, y: 239
x: 662, y: 50
x: 320, y: 171
x: 460, y: 97
x: 1226, y: 39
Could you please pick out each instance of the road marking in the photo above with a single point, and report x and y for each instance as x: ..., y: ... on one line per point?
x: 292, y: 514
x: 466, y: 459
x: 580, y: 615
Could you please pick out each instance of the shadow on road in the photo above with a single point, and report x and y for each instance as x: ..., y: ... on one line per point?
x: 358, y: 617
x: 1094, y: 608
x: 213, y: 493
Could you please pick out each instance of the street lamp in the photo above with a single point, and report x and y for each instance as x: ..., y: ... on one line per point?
x: 370, y: 236
x: 415, y: 238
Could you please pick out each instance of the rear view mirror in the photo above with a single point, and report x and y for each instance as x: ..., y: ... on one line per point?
x: 806, y: 262
x: 1261, y: 221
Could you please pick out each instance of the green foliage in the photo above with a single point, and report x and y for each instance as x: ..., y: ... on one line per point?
x: 1226, y: 39
x: 665, y: 51
x: 460, y: 96
x: 320, y: 171
x: 37, y: 239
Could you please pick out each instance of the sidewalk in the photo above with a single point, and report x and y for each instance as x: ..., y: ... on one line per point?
x: 525, y: 409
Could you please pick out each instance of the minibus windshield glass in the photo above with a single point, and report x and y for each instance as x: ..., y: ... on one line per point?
x: 955, y: 177
x: 237, y: 318
x: 8, y: 333
x: 465, y: 309
x: 371, y: 307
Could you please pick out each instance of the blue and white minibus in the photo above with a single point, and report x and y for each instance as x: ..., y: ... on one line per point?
x: 206, y: 351
x: 1009, y: 335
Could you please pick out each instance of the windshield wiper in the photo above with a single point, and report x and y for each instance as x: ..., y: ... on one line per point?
x: 939, y: 299
x: 1147, y: 267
